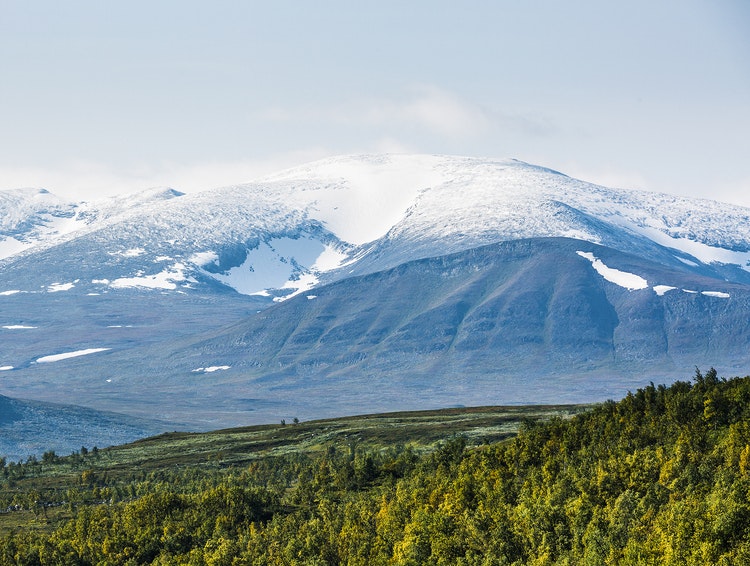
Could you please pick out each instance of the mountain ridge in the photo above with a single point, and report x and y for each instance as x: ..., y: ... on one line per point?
x: 221, y: 232
x: 362, y: 283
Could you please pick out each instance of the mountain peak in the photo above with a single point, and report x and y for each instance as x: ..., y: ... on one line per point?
x: 438, y: 279
x: 369, y: 212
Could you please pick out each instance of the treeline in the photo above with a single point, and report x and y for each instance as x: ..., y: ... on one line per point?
x: 660, y: 477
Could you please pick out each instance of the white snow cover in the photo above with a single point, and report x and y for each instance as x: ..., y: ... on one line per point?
x: 630, y: 281
x: 166, y: 279
x: 270, y: 265
x: 66, y: 355
x: 201, y: 259
x: 132, y: 252
x: 662, y: 289
x: 18, y: 327
x: 211, y: 369
x: 328, y: 260
x: 28, y: 216
x: 36, y: 219
x: 9, y: 246
x: 280, y: 263
x: 304, y: 222
x: 687, y: 261
x: 359, y: 198
x: 703, y: 252
x: 6, y: 368
x: 8, y: 293
x: 57, y: 287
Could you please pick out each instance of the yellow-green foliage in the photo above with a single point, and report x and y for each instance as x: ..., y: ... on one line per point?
x: 661, y: 477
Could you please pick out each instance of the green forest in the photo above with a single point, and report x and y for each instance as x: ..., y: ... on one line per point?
x: 660, y: 477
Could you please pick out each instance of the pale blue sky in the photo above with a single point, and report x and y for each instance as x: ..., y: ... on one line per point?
x: 100, y: 97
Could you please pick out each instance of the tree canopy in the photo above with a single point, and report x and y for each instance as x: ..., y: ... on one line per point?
x: 660, y: 477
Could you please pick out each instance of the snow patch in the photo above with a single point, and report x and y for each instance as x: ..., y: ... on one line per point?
x: 629, y: 281
x: 300, y: 285
x: 330, y: 259
x: 18, y: 327
x: 6, y: 368
x: 311, y: 297
x: 719, y: 294
x: 100, y: 281
x: 211, y: 369
x: 11, y: 292
x: 57, y: 287
x: 166, y: 279
x: 687, y: 261
x: 66, y: 355
x: 703, y: 252
x: 202, y: 259
x: 662, y: 289
x: 9, y: 246
x: 360, y: 198
x: 132, y: 252
x: 280, y: 263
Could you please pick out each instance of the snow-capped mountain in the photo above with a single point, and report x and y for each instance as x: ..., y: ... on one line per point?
x: 341, y: 216
x: 366, y: 281
x: 35, y: 218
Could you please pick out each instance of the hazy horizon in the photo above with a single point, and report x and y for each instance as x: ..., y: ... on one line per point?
x: 103, y: 98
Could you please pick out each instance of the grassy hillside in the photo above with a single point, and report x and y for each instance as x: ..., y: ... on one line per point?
x: 49, y: 480
x: 660, y: 477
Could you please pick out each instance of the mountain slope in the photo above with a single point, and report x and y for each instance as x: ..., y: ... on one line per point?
x: 513, y: 322
x: 286, y: 233
x: 366, y: 283
x: 539, y: 320
x: 30, y: 428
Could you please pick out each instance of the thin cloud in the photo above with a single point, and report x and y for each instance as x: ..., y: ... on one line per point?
x: 737, y: 192
x: 427, y: 108
x: 605, y: 176
x: 90, y: 181
x: 531, y: 125
x: 443, y: 113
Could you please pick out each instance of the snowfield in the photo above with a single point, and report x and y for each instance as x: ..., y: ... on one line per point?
x: 662, y: 289
x: 287, y: 233
x: 67, y: 355
x: 633, y: 282
x: 211, y: 369
x: 167, y: 279
x: 630, y: 281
